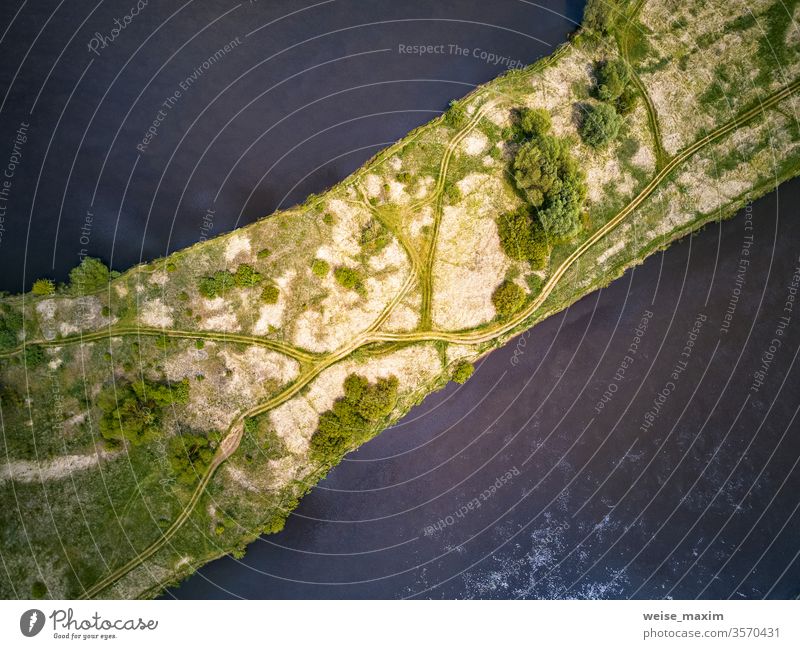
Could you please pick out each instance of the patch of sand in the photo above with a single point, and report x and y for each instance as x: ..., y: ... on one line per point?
x: 474, y: 143
x: 238, y: 249
x: 52, y: 469
x: 154, y: 313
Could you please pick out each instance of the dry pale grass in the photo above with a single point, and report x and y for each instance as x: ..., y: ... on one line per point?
x: 469, y: 262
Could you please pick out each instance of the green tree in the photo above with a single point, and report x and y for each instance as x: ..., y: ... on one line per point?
x: 43, y: 287
x: 38, y: 590
x: 456, y: 115
x: 508, y: 298
x: 536, y: 167
x: 535, y: 122
x: 600, y: 125
x: 135, y: 411
x: 34, y: 356
x: 523, y: 238
x: 190, y: 455
x: 613, y: 77
x: 353, y: 417
x: 462, y: 371
x: 89, y: 276
x: 553, y: 183
x: 600, y: 15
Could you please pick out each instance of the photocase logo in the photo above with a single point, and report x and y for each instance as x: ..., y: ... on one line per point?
x: 31, y: 622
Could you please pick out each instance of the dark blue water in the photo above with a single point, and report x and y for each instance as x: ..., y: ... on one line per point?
x: 515, y: 485
x: 306, y: 92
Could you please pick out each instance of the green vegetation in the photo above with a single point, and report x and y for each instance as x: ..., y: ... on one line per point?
x: 349, y: 278
x: 34, y: 356
x: 218, y: 283
x: 523, y: 238
x: 508, y: 298
x: 613, y: 77
x: 552, y: 182
x: 135, y: 412
x: 43, y: 287
x: 38, y: 590
x: 190, y: 455
x: 89, y: 276
x: 600, y: 125
x: 270, y: 294
x: 353, y: 417
x: 462, y: 371
x: 535, y: 122
x: 246, y: 276
x: 374, y: 237
x: 10, y: 327
x: 456, y: 115
x: 320, y: 267
x: 269, y: 445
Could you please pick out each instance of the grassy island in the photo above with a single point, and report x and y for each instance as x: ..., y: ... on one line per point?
x: 158, y: 418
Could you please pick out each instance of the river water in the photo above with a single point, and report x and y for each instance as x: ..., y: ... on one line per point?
x: 642, y: 443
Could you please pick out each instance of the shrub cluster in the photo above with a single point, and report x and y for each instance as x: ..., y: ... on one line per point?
x: 523, y: 238
x: 190, y: 454
x: 508, y: 298
x: 549, y: 178
x: 456, y: 115
x: 349, y: 278
x: 320, y: 267
x: 600, y: 125
x: 244, y: 277
x: 270, y: 294
x: 88, y: 276
x: 601, y: 122
x: 374, y: 237
x: 10, y: 326
x: 462, y: 371
x: 135, y: 411
x: 353, y: 417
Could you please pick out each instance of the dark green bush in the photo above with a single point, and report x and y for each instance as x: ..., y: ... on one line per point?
x: 508, y: 298
x: 10, y: 327
x: 600, y: 125
x: 217, y: 284
x: 34, y: 356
